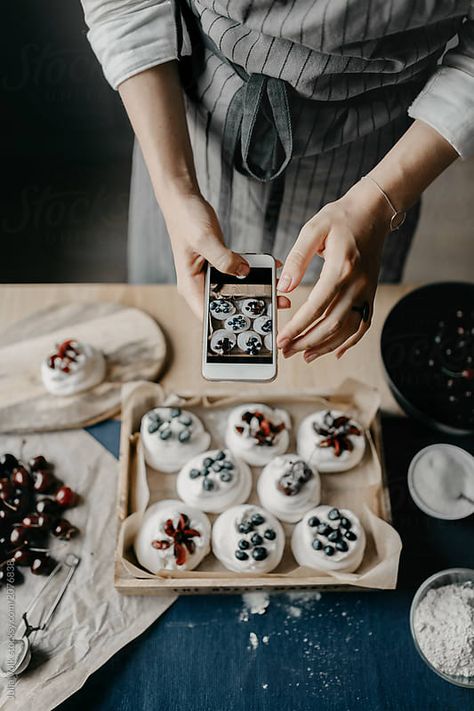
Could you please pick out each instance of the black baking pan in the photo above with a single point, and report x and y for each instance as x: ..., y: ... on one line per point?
x: 427, y: 349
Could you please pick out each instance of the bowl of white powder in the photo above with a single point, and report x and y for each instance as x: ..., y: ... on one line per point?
x: 442, y: 624
x: 441, y: 481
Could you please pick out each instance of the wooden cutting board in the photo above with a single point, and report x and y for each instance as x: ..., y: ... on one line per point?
x: 133, y: 343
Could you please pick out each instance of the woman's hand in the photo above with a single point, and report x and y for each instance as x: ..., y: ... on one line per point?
x: 349, y: 235
x: 196, y: 238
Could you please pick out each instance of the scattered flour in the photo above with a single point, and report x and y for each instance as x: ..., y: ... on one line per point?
x: 294, y: 611
x: 254, y: 603
x: 253, y: 639
x: 265, y: 639
x: 264, y: 686
x: 444, y: 627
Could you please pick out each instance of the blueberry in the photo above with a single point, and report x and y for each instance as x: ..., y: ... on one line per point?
x: 245, y: 527
x: 220, y: 454
x: 185, y: 420
x: 241, y: 555
x: 345, y: 522
x: 317, y: 545
x: 313, y: 521
x: 270, y: 534
x: 324, y: 529
x: 350, y: 535
x: 257, y: 519
x: 216, y: 466
x: 194, y: 473
x: 227, y: 464
x: 342, y: 546
x: 175, y: 411
x: 334, y: 536
x: 256, y: 539
x: 184, y: 436
x: 259, y: 553
x: 208, y: 484
x: 205, y: 471
x: 153, y: 427
x: 226, y: 476
x: 165, y: 434
x: 334, y: 514
x: 207, y: 462
x: 243, y: 544
x: 329, y: 550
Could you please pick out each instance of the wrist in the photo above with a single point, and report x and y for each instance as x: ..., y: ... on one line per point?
x: 366, y: 196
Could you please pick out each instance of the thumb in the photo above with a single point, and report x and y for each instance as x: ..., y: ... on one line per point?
x: 301, y: 254
x: 223, y: 258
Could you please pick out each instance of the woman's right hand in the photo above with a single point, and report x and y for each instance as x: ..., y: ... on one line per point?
x: 196, y: 238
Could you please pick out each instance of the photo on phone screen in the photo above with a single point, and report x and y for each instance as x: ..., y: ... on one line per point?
x: 240, y: 317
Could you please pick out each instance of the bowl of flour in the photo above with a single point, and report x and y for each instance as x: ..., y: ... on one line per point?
x: 442, y: 624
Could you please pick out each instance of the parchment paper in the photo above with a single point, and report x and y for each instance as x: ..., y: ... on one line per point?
x: 360, y: 489
x: 93, y: 620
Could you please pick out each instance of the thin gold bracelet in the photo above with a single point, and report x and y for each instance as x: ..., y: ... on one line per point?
x: 398, y: 218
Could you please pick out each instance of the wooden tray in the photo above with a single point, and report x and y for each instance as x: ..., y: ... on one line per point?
x: 368, y: 496
x: 133, y: 343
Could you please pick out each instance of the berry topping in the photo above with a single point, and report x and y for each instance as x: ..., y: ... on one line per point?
x: 345, y: 523
x: 342, y: 546
x: 241, y: 555
x: 7, y: 463
x: 334, y: 514
x: 44, y: 481
x: 208, y: 484
x: 64, y: 530
x: 334, y: 536
x: 313, y: 521
x: 259, y: 553
x: 165, y: 433
x: 329, y: 550
x: 270, y: 534
x: 194, y: 473
x: 42, y: 564
x: 22, y: 478
x: 336, y: 433
x: 180, y: 537
x: 67, y: 353
x: 226, y: 476
x: 257, y: 519
x: 295, y: 477
x: 66, y: 497
x: 220, y: 455
x: 256, y: 539
x: 350, y: 535
x: 245, y: 527
x: 184, y: 436
x: 243, y: 544
x: 317, y: 545
x: 175, y: 411
x: 38, y: 462
x: 324, y: 529
x: 263, y: 430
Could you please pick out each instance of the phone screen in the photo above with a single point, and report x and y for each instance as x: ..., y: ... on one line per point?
x: 240, y: 327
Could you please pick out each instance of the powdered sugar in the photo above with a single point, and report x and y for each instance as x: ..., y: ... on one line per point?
x: 444, y: 628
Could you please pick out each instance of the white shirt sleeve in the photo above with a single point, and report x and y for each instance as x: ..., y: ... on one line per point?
x: 129, y: 36
x: 446, y: 103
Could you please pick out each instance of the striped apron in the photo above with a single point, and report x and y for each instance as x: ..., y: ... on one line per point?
x: 288, y: 105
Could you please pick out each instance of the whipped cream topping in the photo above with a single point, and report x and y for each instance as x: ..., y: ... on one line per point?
x: 170, y: 436
x: 248, y: 539
x: 288, y: 487
x: 73, y: 368
x: 172, y: 536
x: 214, y: 480
x: 331, y: 440
x: 329, y: 538
x: 223, y: 341
x: 257, y: 432
x: 263, y: 325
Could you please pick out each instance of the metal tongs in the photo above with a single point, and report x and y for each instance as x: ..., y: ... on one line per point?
x: 15, y: 653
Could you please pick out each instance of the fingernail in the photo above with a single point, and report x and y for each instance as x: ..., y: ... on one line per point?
x: 283, y: 342
x: 242, y: 270
x: 284, y: 283
x: 289, y: 353
x: 310, y: 358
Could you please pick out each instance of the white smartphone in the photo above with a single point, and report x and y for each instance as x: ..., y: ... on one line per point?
x: 239, y: 335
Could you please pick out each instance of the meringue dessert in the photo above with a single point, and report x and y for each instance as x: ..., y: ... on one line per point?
x: 329, y: 538
x: 221, y: 309
x: 237, y: 323
x: 253, y: 307
x: 263, y: 325
x: 214, y: 480
x: 249, y: 342
x: 248, y: 539
x: 73, y: 368
x: 288, y: 487
x: 170, y: 436
x: 172, y: 536
x: 223, y: 341
x: 331, y: 441
x: 257, y: 433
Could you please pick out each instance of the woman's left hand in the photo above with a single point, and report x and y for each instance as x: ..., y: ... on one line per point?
x: 349, y: 235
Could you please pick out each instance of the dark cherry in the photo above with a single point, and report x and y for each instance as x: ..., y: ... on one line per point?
x: 48, y: 506
x: 38, y: 462
x: 8, y: 515
x: 21, y: 502
x: 19, y: 535
x: 38, y: 521
x: 45, y: 481
x: 7, y: 463
x: 64, y: 530
x: 24, y: 557
x: 7, y: 489
x: 66, y: 497
x: 22, y: 478
x: 42, y: 564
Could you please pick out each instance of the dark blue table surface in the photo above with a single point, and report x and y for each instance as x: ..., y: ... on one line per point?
x: 338, y: 651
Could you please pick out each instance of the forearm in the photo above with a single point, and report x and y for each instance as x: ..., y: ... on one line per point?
x: 412, y: 164
x: 154, y: 102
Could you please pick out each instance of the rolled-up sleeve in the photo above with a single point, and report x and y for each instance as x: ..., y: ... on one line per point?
x: 129, y: 36
x: 446, y: 103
